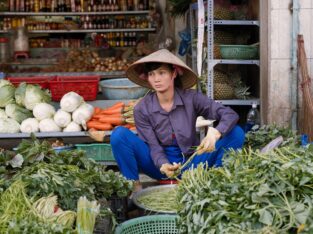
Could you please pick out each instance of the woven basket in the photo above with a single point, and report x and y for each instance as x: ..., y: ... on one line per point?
x: 239, y: 51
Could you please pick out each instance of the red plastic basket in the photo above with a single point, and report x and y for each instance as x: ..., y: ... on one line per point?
x: 86, y: 86
x: 40, y: 80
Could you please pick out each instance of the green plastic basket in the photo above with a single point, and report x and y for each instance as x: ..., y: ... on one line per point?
x: 98, y: 152
x: 152, y: 224
x: 239, y: 51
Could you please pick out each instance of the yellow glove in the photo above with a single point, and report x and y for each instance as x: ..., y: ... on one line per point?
x: 208, y: 143
x: 96, y: 135
x: 169, y: 169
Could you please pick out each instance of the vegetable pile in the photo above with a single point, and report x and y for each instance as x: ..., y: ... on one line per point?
x: 118, y: 114
x: 27, y: 109
x: 253, y: 193
x: 43, y: 186
x: 160, y: 200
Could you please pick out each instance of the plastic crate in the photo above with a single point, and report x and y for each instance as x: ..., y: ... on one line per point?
x: 98, y: 152
x: 152, y: 224
x: 86, y: 86
x: 43, y: 81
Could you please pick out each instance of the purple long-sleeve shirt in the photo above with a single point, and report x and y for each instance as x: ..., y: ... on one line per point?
x: 155, y: 126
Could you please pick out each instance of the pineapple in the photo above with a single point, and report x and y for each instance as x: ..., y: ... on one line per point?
x: 223, y: 13
x: 242, y: 92
x: 223, y: 37
x: 223, y: 91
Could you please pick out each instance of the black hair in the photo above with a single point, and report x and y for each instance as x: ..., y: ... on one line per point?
x: 148, y: 67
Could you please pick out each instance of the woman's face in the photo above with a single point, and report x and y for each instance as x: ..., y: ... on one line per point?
x: 162, y: 79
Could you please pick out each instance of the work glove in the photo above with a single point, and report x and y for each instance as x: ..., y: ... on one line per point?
x: 96, y: 135
x: 169, y: 169
x: 207, y: 145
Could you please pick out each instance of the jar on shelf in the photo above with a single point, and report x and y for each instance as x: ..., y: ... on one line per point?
x: 4, y: 49
x: 21, y: 43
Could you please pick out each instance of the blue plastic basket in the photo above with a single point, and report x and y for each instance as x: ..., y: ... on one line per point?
x: 152, y: 224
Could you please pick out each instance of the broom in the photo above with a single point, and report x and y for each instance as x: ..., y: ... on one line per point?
x: 306, y: 126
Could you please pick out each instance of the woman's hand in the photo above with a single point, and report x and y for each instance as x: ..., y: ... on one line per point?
x: 208, y: 143
x: 169, y: 169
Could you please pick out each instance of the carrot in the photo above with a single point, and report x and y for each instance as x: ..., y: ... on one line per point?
x: 116, y: 105
x: 110, y: 111
x: 111, y: 119
x: 98, y: 116
x: 97, y: 110
x: 99, y: 126
x: 133, y: 128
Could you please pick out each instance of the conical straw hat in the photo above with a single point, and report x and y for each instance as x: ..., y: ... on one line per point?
x: 134, y: 71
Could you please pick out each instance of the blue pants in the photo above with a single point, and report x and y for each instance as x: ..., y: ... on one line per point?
x: 133, y: 154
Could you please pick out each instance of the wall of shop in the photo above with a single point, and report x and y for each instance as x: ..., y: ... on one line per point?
x: 280, y: 92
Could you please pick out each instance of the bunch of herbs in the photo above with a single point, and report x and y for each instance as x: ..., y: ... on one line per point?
x: 265, y: 134
x: 252, y: 193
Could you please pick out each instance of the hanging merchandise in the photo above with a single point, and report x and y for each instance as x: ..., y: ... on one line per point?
x: 201, y: 22
x: 167, y: 31
x: 185, y: 36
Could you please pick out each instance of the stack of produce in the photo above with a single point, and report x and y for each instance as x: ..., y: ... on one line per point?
x: 40, y: 188
x: 18, y: 104
x: 253, y: 193
x: 28, y: 109
x: 73, y: 114
x: 87, y: 60
x: 118, y: 114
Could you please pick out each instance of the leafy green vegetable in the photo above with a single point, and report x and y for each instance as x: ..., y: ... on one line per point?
x: 35, y: 226
x: 29, y: 95
x: 265, y: 134
x: 6, y: 93
x: 252, y: 193
x: 17, y: 112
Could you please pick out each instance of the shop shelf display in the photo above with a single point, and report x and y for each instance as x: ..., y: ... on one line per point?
x: 219, y: 30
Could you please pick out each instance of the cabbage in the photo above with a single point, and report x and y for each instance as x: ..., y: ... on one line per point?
x: 72, y: 127
x: 7, y: 91
x: 20, y: 94
x: 43, y: 111
x: 83, y: 113
x: 48, y: 125
x: 9, y: 126
x: 71, y: 101
x: 17, y: 112
x: 29, y: 95
x: 62, y: 118
x: 30, y: 125
x: 3, y: 115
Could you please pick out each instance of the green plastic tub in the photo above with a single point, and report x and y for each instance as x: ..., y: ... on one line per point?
x: 239, y: 51
x: 152, y: 224
x: 98, y: 152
